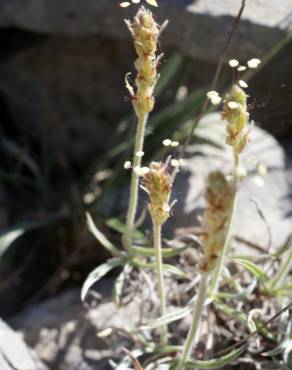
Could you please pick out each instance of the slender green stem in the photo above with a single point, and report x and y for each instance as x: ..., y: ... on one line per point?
x: 218, y: 269
x: 133, y: 202
x: 199, y: 304
x: 160, y: 279
x: 282, y: 273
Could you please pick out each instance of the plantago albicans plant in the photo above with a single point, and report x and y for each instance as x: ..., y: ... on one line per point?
x: 238, y: 131
x: 157, y: 183
x: 219, y: 195
x: 221, y: 198
x: 145, y: 32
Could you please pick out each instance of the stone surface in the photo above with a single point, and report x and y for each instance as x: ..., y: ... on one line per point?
x: 63, y: 332
x: 14, y: 354
x: 195, y: 23
x: 60, y: 94
x: 271, y: 192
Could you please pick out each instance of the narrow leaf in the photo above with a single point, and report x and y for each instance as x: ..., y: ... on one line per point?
x: 101, y: 237
x: 150, y: 252
x: 119, y: 284
x: 216, y: 363
x: 166, y: 267
x: 98, y: 273
x: 170, y: 317
x: 252, y: 268
x: 120, y: 227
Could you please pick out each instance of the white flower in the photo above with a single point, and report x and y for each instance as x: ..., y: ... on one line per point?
x: 241, y: 68
x: 215, y: 100
x: 140, y: 154
x: 174, y: 144
x: 127, y: 165
x: 233, y: 63
x: 242, y: 84
x: 232, y: 105
x: 175, y: 163
x: 166, y: 142
x: 141, y: 171
x: 253, y: 63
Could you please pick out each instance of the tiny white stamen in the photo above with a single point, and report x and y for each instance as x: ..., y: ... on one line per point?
x: 127, y: 165
x: 232, y: 105
x: 212, y: 93
x: 141, y: 171
x: 152, y: 2
x: 233, y: 63
x: 124, y: 4
x: 166, y: 142
x: 140, y: 154
x: 174, y: 144
x: 253, y: 63
x: 241, y: 68
x: 174, y: 163
x: 215, y: 100
x: 242, y: 84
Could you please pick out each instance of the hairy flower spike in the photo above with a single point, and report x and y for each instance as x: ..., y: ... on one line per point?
x: 219, y: 195
x: 145, y: 33
x: 157, y: 183
x: 236, y: 114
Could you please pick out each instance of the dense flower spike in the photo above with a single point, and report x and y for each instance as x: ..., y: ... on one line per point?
x: 237, y: 116
x: 219, y: 195
x: 145, y: 33
x: 157, y: 183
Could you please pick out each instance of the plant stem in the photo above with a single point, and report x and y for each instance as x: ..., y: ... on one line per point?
x: 160, y: 279
x: 218, y: 269
x: 133, y: 201
x: 199, y: 304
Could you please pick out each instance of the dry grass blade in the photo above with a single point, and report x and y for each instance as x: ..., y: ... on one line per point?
x: 135, y: 361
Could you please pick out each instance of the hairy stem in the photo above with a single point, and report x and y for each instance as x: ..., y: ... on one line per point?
x: 199, y: 304
x: 133, y: 201
x: 218, y: 269
x: 160, y: 279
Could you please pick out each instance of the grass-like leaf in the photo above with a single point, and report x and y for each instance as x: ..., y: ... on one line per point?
x: 237, y: 315
x: 98, y: 273
x: 217, y: 363
x: 166, y: 267
x: 119, y: 284
x: 150, y: 252
x: 252, y: 268
x: 178, y: 314
x: 101, y: 237
x: 120, y: 227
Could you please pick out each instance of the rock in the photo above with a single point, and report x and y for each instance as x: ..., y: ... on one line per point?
x: 63, y: 332
x: 68, y: 98
x: 271, y: 192
x: 14, y: 354
x: 195, y: 24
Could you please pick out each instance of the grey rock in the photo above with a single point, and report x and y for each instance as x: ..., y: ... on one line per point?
x: 60, y: 94
x: 64, y: 333
x: 196, y: 23
x: 14, y: 354
x: 272, y: 192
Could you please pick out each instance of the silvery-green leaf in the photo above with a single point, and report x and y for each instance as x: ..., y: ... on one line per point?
x: 98, y: 273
